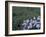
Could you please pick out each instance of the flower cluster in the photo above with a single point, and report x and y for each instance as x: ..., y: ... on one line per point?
x: 32, y: 23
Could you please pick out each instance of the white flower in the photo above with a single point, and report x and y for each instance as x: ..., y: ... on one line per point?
x: 38, y: 26
x: 34, y: 18
x: 27, y: 20
x: 38, y: 18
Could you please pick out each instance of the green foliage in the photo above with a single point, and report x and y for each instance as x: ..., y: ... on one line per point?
x: 22, y: 13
